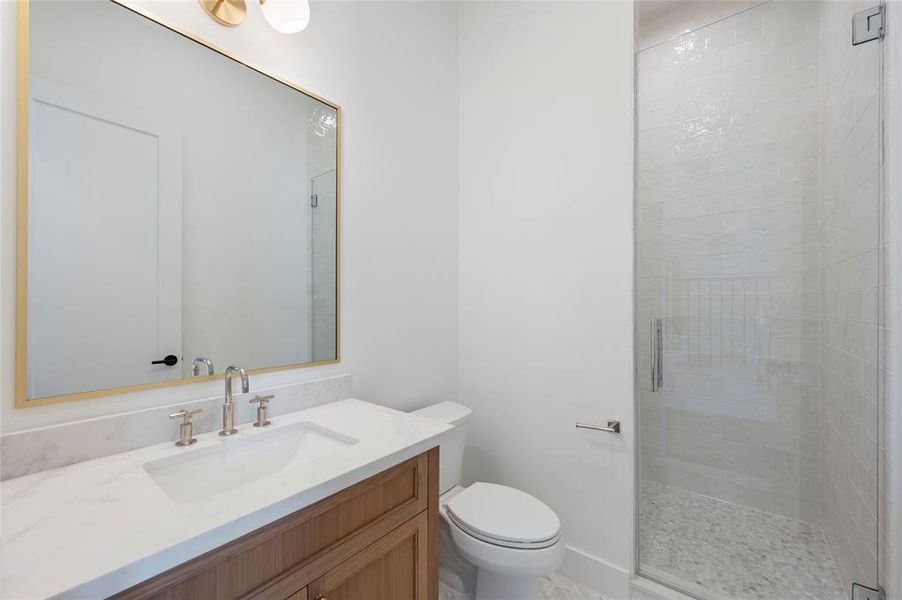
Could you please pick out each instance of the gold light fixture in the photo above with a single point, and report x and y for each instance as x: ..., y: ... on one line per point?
x: 285, y: 16
x: 230, y: 13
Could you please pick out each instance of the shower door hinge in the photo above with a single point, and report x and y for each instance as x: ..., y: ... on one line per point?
x: 868, y: 25
x: 314, y: 201
x: 863, y: 592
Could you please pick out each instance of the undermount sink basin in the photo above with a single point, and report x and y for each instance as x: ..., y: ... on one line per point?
x: 205, y: 472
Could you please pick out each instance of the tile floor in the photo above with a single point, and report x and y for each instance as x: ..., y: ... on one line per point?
x: 555, y: 587
x: 558, y: 587
x: 720, y: 550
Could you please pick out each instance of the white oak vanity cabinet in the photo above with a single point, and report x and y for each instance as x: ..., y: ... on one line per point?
x: 376, y: 540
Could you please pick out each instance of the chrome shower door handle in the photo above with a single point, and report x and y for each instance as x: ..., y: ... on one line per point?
x: 659, y: 329
x: 653, y: 349
x: 657, y: 354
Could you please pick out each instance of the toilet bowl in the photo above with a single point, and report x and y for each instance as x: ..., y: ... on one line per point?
x: 511, y: 537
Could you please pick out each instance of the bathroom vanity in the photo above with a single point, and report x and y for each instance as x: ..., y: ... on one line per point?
x: 376, y: 535
x: 325, y: 501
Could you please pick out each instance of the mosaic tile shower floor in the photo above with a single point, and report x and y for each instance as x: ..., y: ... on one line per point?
x: 717, y: 549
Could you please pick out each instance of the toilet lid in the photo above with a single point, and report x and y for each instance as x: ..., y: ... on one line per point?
x: 504, y: 515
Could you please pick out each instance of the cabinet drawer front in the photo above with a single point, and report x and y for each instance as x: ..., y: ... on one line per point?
x: 303, y: 543
x: 394, y: 568
x: 402, y: 493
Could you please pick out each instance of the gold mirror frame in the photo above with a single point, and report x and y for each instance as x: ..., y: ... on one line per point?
x: 22, y: 93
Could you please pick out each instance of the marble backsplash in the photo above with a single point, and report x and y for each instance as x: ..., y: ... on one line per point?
x: 39, y: 449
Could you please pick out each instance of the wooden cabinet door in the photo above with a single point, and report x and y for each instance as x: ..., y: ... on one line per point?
x: 299, y: 595
x: 394, y: 568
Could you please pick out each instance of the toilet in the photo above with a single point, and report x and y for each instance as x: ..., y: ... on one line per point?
x: 512, y: 538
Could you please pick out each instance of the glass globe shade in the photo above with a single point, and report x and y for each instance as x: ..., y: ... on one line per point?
x: 286, y: 16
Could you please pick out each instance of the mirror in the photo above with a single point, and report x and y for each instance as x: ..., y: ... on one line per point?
x: 176, y: 205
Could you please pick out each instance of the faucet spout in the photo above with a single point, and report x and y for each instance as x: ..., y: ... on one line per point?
x: 228, y: 406
x: 202, y: 360
x: 245, y: 385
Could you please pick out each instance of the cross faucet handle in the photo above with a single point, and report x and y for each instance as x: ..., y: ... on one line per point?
x: 186, y: 427
x: 186, y: 415
x: 262, y: 410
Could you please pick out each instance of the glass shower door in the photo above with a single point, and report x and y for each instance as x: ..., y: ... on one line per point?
x: 324, y: 230
x: 758, y: 227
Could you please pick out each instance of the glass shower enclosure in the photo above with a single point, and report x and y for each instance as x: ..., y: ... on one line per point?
x: 323, y: 267
x: 759, y: 243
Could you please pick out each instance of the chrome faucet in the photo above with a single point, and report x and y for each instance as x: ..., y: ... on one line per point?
x: 228, y: 407
x: 202, y: 360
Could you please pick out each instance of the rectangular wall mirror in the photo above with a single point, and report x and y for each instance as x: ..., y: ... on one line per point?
x: 178, y: 210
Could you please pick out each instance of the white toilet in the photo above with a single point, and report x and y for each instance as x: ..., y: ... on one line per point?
x: 511, y: 537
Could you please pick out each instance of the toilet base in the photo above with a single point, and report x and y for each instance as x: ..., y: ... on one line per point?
x: 495, y: 586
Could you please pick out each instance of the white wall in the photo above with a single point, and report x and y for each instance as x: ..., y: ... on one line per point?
x: 546, y: 263
x: 393, y: 69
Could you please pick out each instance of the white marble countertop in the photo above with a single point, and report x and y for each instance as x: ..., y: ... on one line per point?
x: 98, y: 527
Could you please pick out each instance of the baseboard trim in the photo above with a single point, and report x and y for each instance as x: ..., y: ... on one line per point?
x: 597, y: 574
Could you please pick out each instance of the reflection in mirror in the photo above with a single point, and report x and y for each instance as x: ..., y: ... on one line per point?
x: 180, y: 206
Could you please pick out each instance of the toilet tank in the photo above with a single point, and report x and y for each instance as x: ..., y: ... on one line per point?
x: 451, y: 452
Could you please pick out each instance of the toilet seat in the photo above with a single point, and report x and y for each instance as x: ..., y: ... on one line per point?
x: 504, y: 517
x: 493, y: 557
